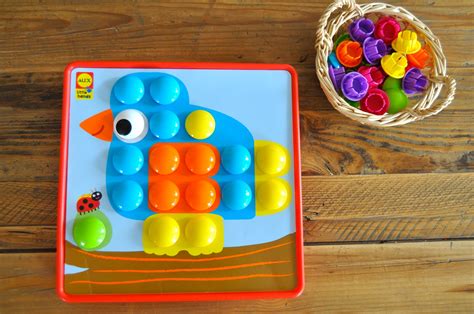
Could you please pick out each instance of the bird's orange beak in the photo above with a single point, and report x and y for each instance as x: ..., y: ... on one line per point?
x: 100, y: 125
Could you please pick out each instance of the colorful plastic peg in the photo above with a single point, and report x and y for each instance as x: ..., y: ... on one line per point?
x: 90, y: 233
x: 406, y: 42
x: 374, y: 49
x: 394, y: 64
x: 340, y: 39
x: 374, y: 75
x: 349, y: 53
x: 354, y: 86
x: 361, y: 28
x: 376, y: 102
x: 398, y: 100
x: 336, y: 75
x: 419, y: 59
x: 332, y: 59
x: 414, y: 82
x: 200, y: 124
x: 387, y: 29
x: 392, y: 83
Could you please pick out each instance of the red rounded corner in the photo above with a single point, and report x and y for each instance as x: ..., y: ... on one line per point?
x: 62, y: 294
x: 71, y: 66
x: 176, y: 297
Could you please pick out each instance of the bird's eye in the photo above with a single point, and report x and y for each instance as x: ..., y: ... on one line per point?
x: 130, y: 126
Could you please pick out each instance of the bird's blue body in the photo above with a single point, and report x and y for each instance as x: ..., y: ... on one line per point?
x: 228, y: 131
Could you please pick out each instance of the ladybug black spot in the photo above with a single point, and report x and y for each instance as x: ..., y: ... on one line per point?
x: 81, y: 207
x: 90, y: 205
x: 84, y: 201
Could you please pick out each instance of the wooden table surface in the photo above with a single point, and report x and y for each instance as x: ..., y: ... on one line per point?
x: 389, y: 213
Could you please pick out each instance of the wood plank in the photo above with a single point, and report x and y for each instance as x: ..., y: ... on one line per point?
x: 38, y: 38
x: 28, y: 203
x: 265, y: 32
x: 18, y: 238
x: 409, y: 277
x: 312, y: 97
x: 388, y: 208
x: 43, y: 90
x: 31, y: 87
x: 330, y: 143
x: 336, y: 209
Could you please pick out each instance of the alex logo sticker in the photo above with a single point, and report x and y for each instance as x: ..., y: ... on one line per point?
x: 84, y: 85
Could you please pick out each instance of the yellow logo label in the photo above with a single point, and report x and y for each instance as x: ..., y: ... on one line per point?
x: 84, y: 85
x: 84, y: 80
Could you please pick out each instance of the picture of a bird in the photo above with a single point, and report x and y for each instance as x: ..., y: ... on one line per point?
x: 169, y: 156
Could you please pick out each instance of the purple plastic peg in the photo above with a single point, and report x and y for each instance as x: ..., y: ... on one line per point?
x: 360, y: 29
x: 354, y: 86
x: 336, y: 75
x: 414, y: 81
x: 374, y: 49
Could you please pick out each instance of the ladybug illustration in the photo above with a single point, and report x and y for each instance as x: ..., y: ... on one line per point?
x: 88, y: 202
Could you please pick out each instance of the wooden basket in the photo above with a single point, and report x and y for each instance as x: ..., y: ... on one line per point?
x: 337, y: 15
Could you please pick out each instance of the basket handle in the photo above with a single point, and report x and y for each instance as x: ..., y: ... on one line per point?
x: 448, y: 81
x: 325, y: 18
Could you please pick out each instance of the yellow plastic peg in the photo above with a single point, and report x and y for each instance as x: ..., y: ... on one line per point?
x: 394, y: 65
x: 406, y: 42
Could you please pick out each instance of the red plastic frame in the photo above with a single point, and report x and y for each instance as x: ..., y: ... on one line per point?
x: 175, y: 296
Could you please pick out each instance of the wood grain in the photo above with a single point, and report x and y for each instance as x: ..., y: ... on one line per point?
x: 330, y: 143
x: 29, y: 203
x: 410, y: 277
x: 22, y: 238
x: 388, y: 208
x: 417, y: 200
x: 265, y: 32
x: 336, y: 209
x: 205, y: 31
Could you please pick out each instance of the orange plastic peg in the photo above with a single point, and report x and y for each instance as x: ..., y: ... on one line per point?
x: 419, y: 59
x: 349, y: 53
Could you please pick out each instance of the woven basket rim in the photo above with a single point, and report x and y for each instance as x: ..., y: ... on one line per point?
x: 342, y: 11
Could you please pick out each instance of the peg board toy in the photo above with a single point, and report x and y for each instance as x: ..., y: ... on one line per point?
x: 179, y: 182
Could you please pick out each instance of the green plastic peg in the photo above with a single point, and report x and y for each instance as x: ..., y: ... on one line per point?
x: 89, y: 233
